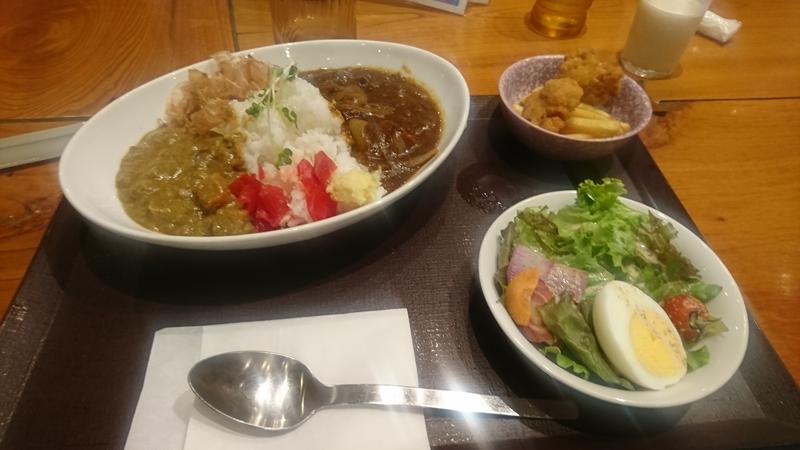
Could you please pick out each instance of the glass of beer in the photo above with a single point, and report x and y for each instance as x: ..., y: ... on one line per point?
x: 303, y: 20
x: 660, y: 33
x: 558, y: 18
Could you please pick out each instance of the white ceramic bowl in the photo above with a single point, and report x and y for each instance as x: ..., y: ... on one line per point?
x: 727, y: 350
x: 90, y: 162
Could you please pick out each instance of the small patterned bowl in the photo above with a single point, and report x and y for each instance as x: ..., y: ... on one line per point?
x: 632, y: 105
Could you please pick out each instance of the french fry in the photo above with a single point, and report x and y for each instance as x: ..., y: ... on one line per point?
x: 583, y: 122
x: 597, y: 128
x: 578, y: 135
x: 589, y: 112
x: 577, y: 112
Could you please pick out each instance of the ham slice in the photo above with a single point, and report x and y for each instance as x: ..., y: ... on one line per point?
x: 556, y: 280
x: 562, y: 280
x: 535, y: 331
x: 522, y: 258
x: 565, y: 281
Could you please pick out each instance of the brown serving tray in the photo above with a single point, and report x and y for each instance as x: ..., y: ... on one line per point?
x: 74, y: 346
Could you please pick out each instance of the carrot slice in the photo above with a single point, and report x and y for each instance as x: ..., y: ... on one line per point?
x: 518, y: 295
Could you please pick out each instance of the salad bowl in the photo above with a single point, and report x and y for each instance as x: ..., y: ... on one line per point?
x: 726, y: 350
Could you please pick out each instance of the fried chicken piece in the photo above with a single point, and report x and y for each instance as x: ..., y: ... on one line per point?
x: 600, y: 80
x: 549, y: 106
x: 554, y: 124
x: 561, y: 95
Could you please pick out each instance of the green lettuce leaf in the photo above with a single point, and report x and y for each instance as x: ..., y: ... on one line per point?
x: 535, y: 228
x: 507, y: 239
x: 594, y: 197
x: 709, y: 327
x: 696, y: 359
x: 701, y: 290
x: 602, y: 236
x: 669, y: 265
x: 564, y: 320
x: 565, y: 362
x: 601, y: 232
x: 704, y: 292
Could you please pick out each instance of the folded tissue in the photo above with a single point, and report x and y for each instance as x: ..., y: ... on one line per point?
x: 718, y: 28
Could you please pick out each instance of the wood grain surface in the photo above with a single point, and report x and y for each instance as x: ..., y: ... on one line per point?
x: 71, y: 57
x: 762, y: 61
x: 28, y: 197
x: 729, y: 148
x: 735, y: 167
x: 67, y: 59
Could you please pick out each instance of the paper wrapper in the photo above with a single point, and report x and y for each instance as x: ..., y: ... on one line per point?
x: 718, y: 28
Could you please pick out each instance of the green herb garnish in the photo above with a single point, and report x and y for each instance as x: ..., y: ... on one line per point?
x: 284, y: 157
x: 290, y: 115
x: 266, y: 98
x: 254, y: 109
x: 291, y: 73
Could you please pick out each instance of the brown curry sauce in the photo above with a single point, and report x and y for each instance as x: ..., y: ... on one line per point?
x: 394, y: 123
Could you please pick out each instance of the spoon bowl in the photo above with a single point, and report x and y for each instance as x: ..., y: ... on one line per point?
x: 265, y: 390
x: 275, y: 392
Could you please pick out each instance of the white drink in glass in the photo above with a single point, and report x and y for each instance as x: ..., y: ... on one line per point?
x: 659, y: 35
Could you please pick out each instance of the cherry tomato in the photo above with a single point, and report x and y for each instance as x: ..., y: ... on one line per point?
x: 684, y: 312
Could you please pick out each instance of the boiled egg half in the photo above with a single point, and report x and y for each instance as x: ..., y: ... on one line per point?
x: 637, y: 336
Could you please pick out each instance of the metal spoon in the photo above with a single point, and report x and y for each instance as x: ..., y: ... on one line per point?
x: 274, y: 392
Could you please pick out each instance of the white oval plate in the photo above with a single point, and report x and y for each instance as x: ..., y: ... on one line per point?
x: 90, y: 162
x: 727, y: 350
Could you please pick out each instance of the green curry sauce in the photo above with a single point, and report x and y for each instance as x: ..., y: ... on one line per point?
x: 176, y: 183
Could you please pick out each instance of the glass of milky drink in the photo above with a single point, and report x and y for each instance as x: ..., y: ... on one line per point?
x: 659, y: 35
x: 304, y: 20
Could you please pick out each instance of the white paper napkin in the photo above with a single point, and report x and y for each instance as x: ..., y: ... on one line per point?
x: 718, y: 28
x: 367, y: 347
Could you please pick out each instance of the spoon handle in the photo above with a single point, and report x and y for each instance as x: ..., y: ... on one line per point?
x: 374, y: 394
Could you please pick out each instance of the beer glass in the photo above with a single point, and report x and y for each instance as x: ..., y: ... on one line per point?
x: 558, y: 18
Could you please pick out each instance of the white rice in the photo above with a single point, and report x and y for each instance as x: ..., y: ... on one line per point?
x: 271, y: 131
x: 318, y: 128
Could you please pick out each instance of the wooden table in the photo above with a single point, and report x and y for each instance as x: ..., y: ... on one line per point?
x: 726, y: 134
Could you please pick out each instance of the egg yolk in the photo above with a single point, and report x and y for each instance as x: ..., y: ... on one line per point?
x: 656, y: 347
